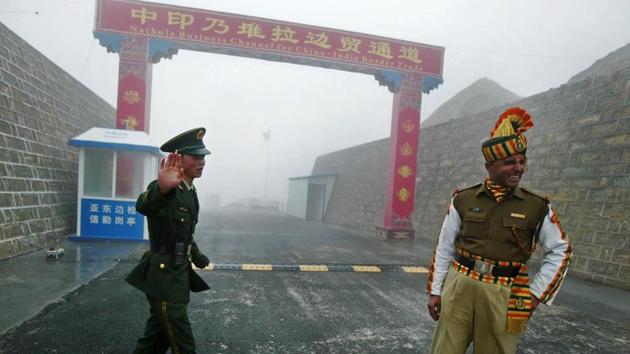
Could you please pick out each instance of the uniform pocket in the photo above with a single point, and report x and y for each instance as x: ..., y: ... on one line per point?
x: 520, y: 224
x: 160, y: 260
x: 524, y: 227
x: 522, y: 231
x: 182, y: 215
x: 474, y: 225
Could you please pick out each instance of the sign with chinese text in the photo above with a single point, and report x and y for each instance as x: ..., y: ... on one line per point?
x: 114, y: 219
x: 277, y: 40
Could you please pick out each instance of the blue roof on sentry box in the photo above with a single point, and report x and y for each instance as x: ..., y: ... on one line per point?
x: 116, y: 139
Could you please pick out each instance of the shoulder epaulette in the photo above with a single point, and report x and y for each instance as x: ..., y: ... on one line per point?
x: 546, y: 198
x: 457, y: 190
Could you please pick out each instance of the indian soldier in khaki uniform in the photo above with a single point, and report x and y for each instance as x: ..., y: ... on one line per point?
x: 165, y: 273
x: 478, y: 282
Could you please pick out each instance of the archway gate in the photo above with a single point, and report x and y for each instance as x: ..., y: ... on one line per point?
x: 142, y: 33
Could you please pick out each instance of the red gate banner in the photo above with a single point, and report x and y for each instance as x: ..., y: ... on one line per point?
x: 241, y: 34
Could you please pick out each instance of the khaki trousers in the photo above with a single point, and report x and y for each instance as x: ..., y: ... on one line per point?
x: 473, y: 311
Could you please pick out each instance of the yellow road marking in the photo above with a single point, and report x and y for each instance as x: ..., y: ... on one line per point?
x: 256, y: 266
x: 415, y: 270
x: 366, y: 269
x: 313, y: 268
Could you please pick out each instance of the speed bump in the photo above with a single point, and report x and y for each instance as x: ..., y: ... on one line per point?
x: 250, y: 266
x: 408, y: 269
x: 329, y: 267
x: 366, y: 268
x: 313, y: 268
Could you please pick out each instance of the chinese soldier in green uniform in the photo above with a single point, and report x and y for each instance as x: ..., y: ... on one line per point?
x: 165, y: 273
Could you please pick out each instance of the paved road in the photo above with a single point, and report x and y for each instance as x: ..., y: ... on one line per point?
x: 261, y: 238
x: 300, y: 312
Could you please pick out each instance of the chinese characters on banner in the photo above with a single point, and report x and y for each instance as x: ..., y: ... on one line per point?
x: 217, y: 29
x: 111, y: 219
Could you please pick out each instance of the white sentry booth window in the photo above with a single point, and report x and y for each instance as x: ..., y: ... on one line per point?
x: 98, y: 173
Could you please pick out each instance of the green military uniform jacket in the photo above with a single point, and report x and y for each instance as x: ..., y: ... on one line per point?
x: 503, y: 231
x: 170, y: 219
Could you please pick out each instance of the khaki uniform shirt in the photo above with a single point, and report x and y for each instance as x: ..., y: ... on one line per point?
x: 476, y: 223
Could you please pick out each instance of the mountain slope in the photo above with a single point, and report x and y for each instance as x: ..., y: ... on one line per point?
x: 480, y: 96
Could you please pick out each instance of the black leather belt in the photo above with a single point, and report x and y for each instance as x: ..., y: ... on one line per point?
x: 159, y: 248
x: 486, y: 268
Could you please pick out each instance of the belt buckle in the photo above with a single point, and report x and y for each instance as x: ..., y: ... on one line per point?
x: 483, y: 268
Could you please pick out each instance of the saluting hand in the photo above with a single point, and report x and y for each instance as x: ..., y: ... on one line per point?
x: 171, y: 172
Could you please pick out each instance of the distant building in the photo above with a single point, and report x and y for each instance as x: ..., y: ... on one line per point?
x: 271, y: 205
x: 309, y: 195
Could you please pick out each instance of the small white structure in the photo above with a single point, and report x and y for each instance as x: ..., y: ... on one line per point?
x: 308, y: 196
x: 114, y: 168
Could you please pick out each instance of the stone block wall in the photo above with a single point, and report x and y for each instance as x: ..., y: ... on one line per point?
x: 579, y: 154
x: 358, y: 195
x: 41, y: 108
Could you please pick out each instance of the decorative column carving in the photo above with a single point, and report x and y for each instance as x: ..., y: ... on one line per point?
x: 401, y: 182
x: 134, y: 84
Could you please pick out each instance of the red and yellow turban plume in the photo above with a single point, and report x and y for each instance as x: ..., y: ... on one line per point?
x: 506, y: 138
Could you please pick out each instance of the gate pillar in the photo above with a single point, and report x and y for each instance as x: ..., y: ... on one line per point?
x: 401, y: 181
x: 134, y: 84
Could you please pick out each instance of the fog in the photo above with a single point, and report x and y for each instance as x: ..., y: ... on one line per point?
x: 527, y: 47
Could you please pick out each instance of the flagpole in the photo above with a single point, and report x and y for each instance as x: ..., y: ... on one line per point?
x: 267, y: 140
x: 267, y: 173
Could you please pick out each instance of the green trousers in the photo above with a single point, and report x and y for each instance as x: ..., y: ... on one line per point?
x: 167, y: 326
x: 473, y: 311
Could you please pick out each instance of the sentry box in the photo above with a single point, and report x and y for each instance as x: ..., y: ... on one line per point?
x: 114, y: 168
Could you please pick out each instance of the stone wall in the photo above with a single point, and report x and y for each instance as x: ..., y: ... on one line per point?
x: 579, y: 153
x: 41, y: 108
x: 358, y: 195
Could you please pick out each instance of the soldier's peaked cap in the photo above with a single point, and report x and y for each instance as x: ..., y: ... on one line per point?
x: 189, y: 143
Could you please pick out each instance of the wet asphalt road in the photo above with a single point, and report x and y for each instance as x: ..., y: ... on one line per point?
x: 298, y: 312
